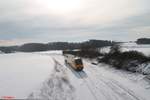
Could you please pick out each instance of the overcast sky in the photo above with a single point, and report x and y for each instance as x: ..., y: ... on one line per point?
x: 24, y: 21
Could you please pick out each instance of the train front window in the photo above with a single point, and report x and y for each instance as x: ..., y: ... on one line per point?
x: 78, y: 61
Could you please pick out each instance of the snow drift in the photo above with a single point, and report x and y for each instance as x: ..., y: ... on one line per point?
x: 57, y: 87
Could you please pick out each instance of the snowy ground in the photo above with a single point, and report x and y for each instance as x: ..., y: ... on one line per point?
x: 144, y: 48
x: 20, y: 73
x: 43, y: 75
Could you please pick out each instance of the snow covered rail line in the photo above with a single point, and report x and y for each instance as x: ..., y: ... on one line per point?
x: 82, y: 75
x: 87, y: 84
x: 93, y: 83
x: 124, y: 92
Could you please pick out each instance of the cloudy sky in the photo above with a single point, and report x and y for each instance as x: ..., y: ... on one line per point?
x: 24, y: 21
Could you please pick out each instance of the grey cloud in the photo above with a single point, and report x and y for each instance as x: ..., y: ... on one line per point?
x: 18, y: 20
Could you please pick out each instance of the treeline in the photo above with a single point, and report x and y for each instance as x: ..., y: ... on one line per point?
x: 33, y: 47
x: 9, y: 49
x: 143, y: 41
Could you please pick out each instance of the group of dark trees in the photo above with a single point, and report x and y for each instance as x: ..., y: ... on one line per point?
x: 128, y: 60
x: 143, y: 41
x: 9, y: 49
x: 33, y: 47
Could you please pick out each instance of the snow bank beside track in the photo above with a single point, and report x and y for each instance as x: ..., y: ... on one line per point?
x: 57, y: 87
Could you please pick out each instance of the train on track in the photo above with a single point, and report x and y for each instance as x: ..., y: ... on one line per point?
x: 75, y: 62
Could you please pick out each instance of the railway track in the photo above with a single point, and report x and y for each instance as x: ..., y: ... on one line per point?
x: 90, y: 88
x: 82, y: 76
x: 117, y: 89
x: 115, y: 86
x: 100, y: 86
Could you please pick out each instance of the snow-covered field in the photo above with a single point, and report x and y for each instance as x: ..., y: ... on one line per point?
x: 20, y: 73
x: 131, y: 46
x: 44, y: 75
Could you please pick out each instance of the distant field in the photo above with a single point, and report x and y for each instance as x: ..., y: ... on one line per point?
x: 132, y: 46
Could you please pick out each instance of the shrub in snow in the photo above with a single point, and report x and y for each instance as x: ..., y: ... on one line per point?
x: 144, y: 68
x: 115, y: 49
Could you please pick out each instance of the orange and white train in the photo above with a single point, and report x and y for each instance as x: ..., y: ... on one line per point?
x: 75, y: 62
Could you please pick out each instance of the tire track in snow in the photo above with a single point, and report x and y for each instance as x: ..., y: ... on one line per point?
x: 57, y: 87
